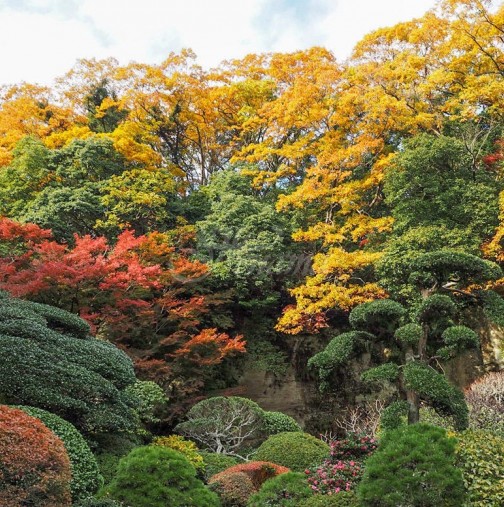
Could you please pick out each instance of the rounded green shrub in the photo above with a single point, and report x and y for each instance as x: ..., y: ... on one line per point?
x: 98, y: 502
x: 409, y: 334
x: 278, y: 422
x: 86, y: 477
x: 480, y: 457
x: 369, y: 316
x: 185, y: 447
x: 215, y: 463
x: 342, y: 499
x: 294, y: 450
x: 415, y: 466
x: 153, y: 476
x: 151, y: 398
x: 285, y: 490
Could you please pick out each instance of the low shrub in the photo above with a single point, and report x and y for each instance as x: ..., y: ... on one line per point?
x: 332, y: 478
x: 413, y: 465
x: 285, y: 490
x: 185, y: 447
x: 215, y: 463
x: 234, y: 489
x: 86, y: 477
x: 278, y: 422
x: 257, y: 471
x: 34, y: 465
x: 343, y: 499
x: 153, y: 476
x: 294, y: 450
x: 98, y: 502
x: 480, y: 457
x: 353, y: 447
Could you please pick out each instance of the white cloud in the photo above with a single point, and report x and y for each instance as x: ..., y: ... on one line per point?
x: 42, y: 39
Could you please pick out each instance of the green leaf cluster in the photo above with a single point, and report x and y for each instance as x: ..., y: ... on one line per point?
x: 284, y: 490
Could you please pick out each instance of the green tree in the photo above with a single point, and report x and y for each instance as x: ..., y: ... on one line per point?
x: 414, y: 466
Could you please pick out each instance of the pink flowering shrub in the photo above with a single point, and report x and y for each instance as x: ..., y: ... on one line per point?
x: 355, y: 447
x: 331, y: 478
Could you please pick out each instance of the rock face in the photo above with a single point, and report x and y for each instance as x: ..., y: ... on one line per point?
x: 297, y: 395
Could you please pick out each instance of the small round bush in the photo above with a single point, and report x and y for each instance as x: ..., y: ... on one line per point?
x: 234, y: 489
x: 480, y: 457
x: 185, y: 447
x: 151, y: 398
x: 215, y: 463
x: 34, y: 465
x: 86, y: 477
x: 278, y: 422
x: 413, y: 465
x: 294, y: 450
x: 285, y: 490
x: 98, y: 502
x: 343, y: 499
x: 153, y: 476
x: 257, y: 471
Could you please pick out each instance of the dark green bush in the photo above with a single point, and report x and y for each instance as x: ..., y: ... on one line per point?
x: 215, y: 463
x: 342, y: 499
x: 415, y: 466
x: 294, y: 450
x: 285, y: 490
x: 86, y: 477
x: 80, y: 379
x: 409, y: 334
x: 98, y: 502
x: 153, y: 476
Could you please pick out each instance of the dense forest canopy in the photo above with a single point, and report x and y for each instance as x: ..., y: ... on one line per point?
x: 164, y: 226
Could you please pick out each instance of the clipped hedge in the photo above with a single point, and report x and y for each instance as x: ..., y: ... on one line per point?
x: 234, y: 489
x: 294, y: 450
x: 86, y: 477
x: 278, y: 422
x: 215, y: 463
x: 257, y: 471
x: 81, y: 379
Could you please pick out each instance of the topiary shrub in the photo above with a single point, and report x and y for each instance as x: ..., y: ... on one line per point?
x: 234, y: 489
x: 48, y: 363
x: 294, y: 450
x: 34, y: 465
x: 153, y: 476
x: 413, y: 465
x: 185, y: 447
x: 278, y: 422
x: 86, y: 477
x: 480, y: 457
x: 215, y: 463
x: 342, y: 499
x: 257, y: 471
x: 285, y: 490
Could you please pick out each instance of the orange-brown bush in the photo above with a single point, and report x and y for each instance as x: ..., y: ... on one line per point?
x: 257, y: 471
x: 34, y: 465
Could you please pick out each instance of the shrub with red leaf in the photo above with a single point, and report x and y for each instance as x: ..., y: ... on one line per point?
x: 34, y: 465
x: 257, y: 471
x: 234, y: 489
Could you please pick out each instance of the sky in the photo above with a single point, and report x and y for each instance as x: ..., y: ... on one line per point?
x: 43, y: 39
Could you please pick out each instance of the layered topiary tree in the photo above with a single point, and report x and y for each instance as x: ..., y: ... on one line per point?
x: 34, y: 465
x: 411, y: 342
x: 153, y: 476
x: 50, y: 361
x: 413, y: 465
x: 294, y: 450
x: 86, y: 477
